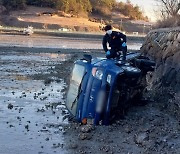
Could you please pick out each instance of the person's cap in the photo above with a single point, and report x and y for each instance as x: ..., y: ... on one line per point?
x: 107, y: 27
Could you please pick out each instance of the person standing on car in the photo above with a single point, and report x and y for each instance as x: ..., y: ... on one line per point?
x: 116, y: 41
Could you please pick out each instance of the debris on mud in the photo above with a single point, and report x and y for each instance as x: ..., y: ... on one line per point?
x: 10, y: 106
x: 144, y: 129
x: 140, y: 138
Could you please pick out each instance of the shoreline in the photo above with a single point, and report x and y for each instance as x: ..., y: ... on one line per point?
x: 53, y: 44
x: 54, y: 50
x: 73, y: 35
x: 48, y: 50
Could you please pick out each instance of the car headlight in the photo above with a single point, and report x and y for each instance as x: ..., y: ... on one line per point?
x: 97, y: 73
x: 108, y: 78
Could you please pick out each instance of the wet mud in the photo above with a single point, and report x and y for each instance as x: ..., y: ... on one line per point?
x: 32, y: 102
x: 33, y: 117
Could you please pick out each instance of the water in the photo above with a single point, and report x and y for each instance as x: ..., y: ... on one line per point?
x: 35, y: 122
x: 58, y: 42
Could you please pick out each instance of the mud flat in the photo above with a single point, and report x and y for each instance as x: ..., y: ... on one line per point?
x: 33, y: 85
x: 56, y: 42
x: 32, y: 103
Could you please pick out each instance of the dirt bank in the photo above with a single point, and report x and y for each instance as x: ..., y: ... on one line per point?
x: 37, y: 17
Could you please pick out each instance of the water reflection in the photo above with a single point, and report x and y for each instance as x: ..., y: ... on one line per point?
x: 20, y: 63
x: 30, y: 43
x: 30, y: 111
x: 59, y: 42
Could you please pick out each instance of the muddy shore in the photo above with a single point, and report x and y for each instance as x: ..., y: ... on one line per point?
x: 33, y: 115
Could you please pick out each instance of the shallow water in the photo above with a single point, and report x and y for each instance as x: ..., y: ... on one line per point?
x: 58, y: 42
x: 31, y: 112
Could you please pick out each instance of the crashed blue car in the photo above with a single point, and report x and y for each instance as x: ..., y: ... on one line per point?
x: 101, y: 88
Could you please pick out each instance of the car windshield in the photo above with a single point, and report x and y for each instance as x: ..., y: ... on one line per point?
x: 77, y: 76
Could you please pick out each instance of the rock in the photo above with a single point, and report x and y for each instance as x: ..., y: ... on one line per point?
x: 58, y: 145
x: 10, y: 106
x: 2, y: 9
x: 165, y: 50
x: 127, y: 130
x: 86, y: 128
x: 11, y: 126
x: 169, y: 37
x: 176, y: 63
x: 167, y: 53
x: 105, y: 148
x: 84, y: 136
x: 178, y: 37
x: 26, y: 127
x: 73, y: 146
x: 140, y: 138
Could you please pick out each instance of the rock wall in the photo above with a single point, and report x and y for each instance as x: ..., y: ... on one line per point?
x: 2, y: 9
x: 163, y: 45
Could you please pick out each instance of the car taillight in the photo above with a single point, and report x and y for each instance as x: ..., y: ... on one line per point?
x: 84, y: 121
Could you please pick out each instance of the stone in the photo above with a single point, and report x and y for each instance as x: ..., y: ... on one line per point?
x: 2, y: 9
x: 168, y: 76
x: 169, y: 37
x: 169, y: 43
x: 178, y: 81
x: 176, y: 59
x: 86, y: 128
x: 141, y: 138
x: 85, y: 136
x: 10, y: 106
x: 167, y: 66
x: 163, y: 45
x: 158, y: 39
x: 73, y: 146
x: 167, y: 52
x: 178, y: 37
x: 153, y: 36
x: 175, y: 36
x: 159, y: 70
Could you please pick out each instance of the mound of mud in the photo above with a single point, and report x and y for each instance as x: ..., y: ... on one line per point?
x: 163, y: 45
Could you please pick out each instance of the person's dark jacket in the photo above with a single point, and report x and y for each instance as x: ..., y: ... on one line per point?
x: 115, y: 40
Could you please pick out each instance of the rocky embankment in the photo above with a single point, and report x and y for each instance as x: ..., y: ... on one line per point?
x: 163, y: 45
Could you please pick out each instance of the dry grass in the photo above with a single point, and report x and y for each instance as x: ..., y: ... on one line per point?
x: 169, y: 22
x: 32, y: 15
x: 63, y: 21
